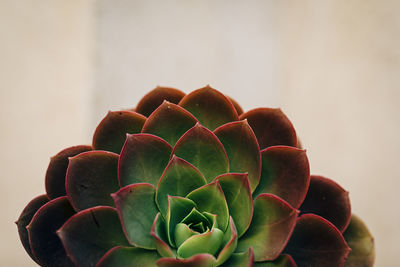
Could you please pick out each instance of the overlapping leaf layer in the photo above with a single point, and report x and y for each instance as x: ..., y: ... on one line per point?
x: 191, y: 180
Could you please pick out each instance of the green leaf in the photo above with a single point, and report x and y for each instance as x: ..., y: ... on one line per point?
x: 208, y: 242
x: 201, y: 147
x: 143, y: 159
x: 242, y: 148
x: 210, y: 107
x: 137, y: 209
x: 158, y: 232
x: 199, y: 260
x: 178, y: 179
x: 282, y: 261
x: 111, y: 133
x: 210, y: 198
x: 361, y: 242
x: 129, y: 256
x: 272, y: 224
x: 178, y: 209
x: 229, y: 243
x: 237, y: 193
x: 242, y: 259
x: 91, y: 178
x: 182, y: 232
x: 170, y: 122
x: 89, y: 234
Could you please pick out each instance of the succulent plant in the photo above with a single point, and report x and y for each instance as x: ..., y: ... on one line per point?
x: 191, y: 180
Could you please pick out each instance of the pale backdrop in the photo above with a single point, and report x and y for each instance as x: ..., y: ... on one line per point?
x: 333, y: 66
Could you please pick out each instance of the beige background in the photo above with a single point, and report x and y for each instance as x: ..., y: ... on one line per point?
x: 333, y: 66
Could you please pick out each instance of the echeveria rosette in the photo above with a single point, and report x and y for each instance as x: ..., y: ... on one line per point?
x: 191, y: 180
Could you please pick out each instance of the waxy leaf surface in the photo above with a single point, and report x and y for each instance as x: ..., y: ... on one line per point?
x: 89, y: 234
x: 210, y: 107
x: 285, y: 173
x: 208, y: 242
x: 111, y: 133
x: 136, y: 208
x: 201, y: 147
x: 271, y: 227
x: 242, y: 148
x: 129, y: 256
x: 361, y: 242
x: 57, y: 169
x: 237, y: 193
x: 271, y: 126
x: 238, y: 108
x: 317, y: 242
x: 178, y: 179
x: 283, y: 260
x: 329, y: 200
x: 159, y: 233
x: 199, y: 260
x: 26, y: 217
x: 91, y: 178
x: 45, y: 244
x: 155, y: 98
x: 170, y: 122
x: 229, y: 243
x: 241, y: 259
x: 143, y: 159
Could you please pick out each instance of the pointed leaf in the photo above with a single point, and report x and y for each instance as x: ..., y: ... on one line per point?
x: 242, y: 148
x: 361, y: 242
x: 178, y: 209
x: 26, y: 217
x: 137, y: 209
x: 111, y: 133
x: 237, y: 193
x: 129, y: 256
x: 155, y: 97
x: 229, y: 243
x: 158, y: 232
x: 45, y: 244
x: 210, y: 198
x: 271, y: 127
x: 238, y: 108
x: 329, y: 200
x: 178, y: 179
x: 199, y: 260
x: 91, y: 178
x: 201, y: 147
x: 285, y: 173
x: 283, y: 260
x: 55, y: 175
x: 143, y: 159
x: 242, y: 259
x: 317, y: 242
x: 169, y: 121
x: 210, y: 107
x: 89, y: 234
x: 208, y: 242
x: 272, y: 224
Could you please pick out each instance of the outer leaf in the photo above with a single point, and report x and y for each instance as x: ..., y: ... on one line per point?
x: 89, y: 234
x: 285, y: 173
x: 158, y: 232
x: 210, y: 198
x: 242, y: 148
x: 210, y: 107
x: 329, y: 200
x: 91, y: 178
x: 110, y: 134
x: 137, y: 209
x: 155, y: 97
x: 361, y: 242
x: 317, y: 242
x: 143, y: 159
x: 238, y: 108
x: 178, y: 179
x: 170, y: 122
x: 26, y: 217
x: 55, y: 175
x: 271, y: 127
x: 128, y: 256
x: 199, y: 260
x: 237, y: 193
x: 201, y: 147
x: 282, y: 261
x: 242, y: 259
x: 229, y: 243
x: 272, y: 224
x: 45, y: 244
